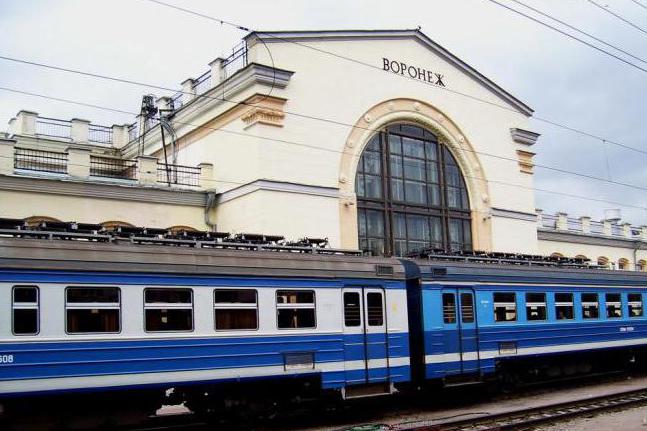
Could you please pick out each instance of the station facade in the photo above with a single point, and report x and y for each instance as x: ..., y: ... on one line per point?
x: 378, y: 140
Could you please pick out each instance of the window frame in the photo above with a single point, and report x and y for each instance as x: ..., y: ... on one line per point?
x: 279, y: 306
x: 516, y: 308
x: 159, y: 307
x: 235, y: 306
x: 570, y: 304
x: 444, y: 308
x: 382, y: 310
x: 25, y: 307
x: 359, y: 308
x: 597, y: 303
x: 642, y: 305
x: 607, y: 302
x: 103, y: 305
x: 543, y: 304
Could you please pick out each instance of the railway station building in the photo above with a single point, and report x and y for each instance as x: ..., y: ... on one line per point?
x: 378, y: 140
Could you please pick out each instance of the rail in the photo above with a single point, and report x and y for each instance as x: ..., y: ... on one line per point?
x: 54, y: 128
x: 106, y: 167
x: 202, y: 83
x: 40, y: 161
x: 178, y: 174
x: 236, y: 61
x: 100, y: 134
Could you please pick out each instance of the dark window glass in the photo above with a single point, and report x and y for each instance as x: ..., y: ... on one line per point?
x: 505, y: 307
x: 590, y: 306
x: 467, y: 308
x: 614, y: 305
x: 564, y: 306
x: 25, y: 310
x: 406, y: 185
x: 449, y: 308
x: 375, y: 309
x: 235, y: 309
x: 635, y: 304
x: 352, y: 316
x: 295, y: 309
x: 536, y: 306
x: 168, y: 310
x: 92, y: 310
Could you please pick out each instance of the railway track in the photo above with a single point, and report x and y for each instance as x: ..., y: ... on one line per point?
x: 526, y: 419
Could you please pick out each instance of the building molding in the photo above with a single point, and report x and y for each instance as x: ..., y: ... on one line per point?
x: 415, y: 34
x: 579, y: 238
x: 277, y: 186
x: 93, y: 189
x: 514, y: 215
x: 524, y: 137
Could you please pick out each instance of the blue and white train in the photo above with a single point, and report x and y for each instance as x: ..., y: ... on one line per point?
x: 222, y: 327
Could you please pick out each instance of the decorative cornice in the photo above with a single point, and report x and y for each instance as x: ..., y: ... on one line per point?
x: 84, y: 189
x: 524, y: 137
x: 515, y: 215
x: 277, y: 186
x: 580, y: 238
x: 290, y: 36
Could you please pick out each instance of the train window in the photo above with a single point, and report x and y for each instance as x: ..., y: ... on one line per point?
x: 635, y: 304
x: 449, y: 308
x: 614, y: 307
x: 352, y: 316
x: 536, y: 306
x: 92, y: 310
x: 564, y: 306
x: 375, y: 309
x: 467, y: 308
x: 236, y: 309
x: 25, y: 310
x: 505, y: 307
x: 168, y: 310
x: 295, y: 309
x: 590, y: 306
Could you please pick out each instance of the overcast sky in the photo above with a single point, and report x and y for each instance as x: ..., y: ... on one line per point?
x: 561, y: 79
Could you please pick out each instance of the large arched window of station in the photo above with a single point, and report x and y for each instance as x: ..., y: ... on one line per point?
x: 411, y: 194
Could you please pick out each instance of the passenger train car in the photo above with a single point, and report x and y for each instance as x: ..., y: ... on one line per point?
x: 216, y: 327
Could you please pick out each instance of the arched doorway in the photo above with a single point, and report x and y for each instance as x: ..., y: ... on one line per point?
x: 411, y: 194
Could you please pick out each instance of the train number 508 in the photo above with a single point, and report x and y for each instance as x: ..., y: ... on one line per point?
x: 6, y: 359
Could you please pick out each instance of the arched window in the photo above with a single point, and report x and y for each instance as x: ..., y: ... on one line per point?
x: 603, y: 261
x: 556, y: 254
x: 623, y: 264
x: 410, y: 194
x: 641, y: 265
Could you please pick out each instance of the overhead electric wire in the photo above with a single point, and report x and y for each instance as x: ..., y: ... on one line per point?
x: 579, y: 30
x: 620, y: 17
x: 354, y: 60
x: 640, y: 4
x: 283, y: 141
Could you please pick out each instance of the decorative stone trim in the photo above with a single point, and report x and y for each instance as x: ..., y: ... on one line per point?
x: 526, y: 164
x: 524, y: 137
x: 267, y: 110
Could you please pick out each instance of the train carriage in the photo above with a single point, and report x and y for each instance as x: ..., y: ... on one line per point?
x: 88, y: 316
x: 524, y: 322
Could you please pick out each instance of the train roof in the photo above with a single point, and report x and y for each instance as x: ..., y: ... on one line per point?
x: 124, y: 256
x: 430, y: 270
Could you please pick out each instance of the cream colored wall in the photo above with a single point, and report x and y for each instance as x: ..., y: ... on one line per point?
x: 292, y: 215
x: 94, y: 210
x: 592, y: 252
x: 516, y: 236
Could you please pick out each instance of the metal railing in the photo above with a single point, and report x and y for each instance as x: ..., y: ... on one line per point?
x: 53, y: 127
x: 41, y: 161
x: 133, y: 132
x: 203, y: 83
x: 178, y: 174
x: 106, y: 167
x: 177, y: 100
x: 100, y: 134
x: 597, y: 227
x: 549, y: 221
x: 236, y: 61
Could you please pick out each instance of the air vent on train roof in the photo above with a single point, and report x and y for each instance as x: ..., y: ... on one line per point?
x: 384, y: 270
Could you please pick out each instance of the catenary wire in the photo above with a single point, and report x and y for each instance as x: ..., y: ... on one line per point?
x: 640, y: 4
x: 315, y: 147
x: 354, y: 60
x: 341, y: 152
x: 579, y: 30
x: 620, y: 17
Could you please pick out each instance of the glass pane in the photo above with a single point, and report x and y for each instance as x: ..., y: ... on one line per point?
x: 436, y: 232
x: 505, y: 307
x: 396, y: 166
x: 434, y: 195
x: 374, y: 223
x: 414, y: 169
x: 449, y: 308
x: 431, y: 150
x: 173, y: 296
x: 536, y: 306
x: 456, y: 233
x: 290, y: 318
x: 400, y: 247
x: 397, y: 190
x: 352, y: 315
x: 372, y: 186
x: 375, y: 310
x: 373, y: 144
x: 452, y: 176
x: 413, y: 147
x: 92, y: 294
x: 376, y: 247
x: 399, y: 226
x: 418, y: 227
x: 454, y: 199
x: 467, y: 308
x: 416, y: 193
x: 432, y: 172
x: 614, y: 309
x: 412, y: 130
x: 230, y: 296
x: 25, y: 321
x: 169, y: 320
x: 361, y: 222
x: 236, y: 319
x: 295, y: 297
x: 372, y: 163
x: 590, y: 306
x: 360, y: 189
x: 92, y: 321
x: 395, y: 146
x: 635, y: 303
x: 26, y: 294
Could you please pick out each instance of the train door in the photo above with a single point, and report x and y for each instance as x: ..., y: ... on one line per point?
x: 460, y: 334
x: 365, y: 335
